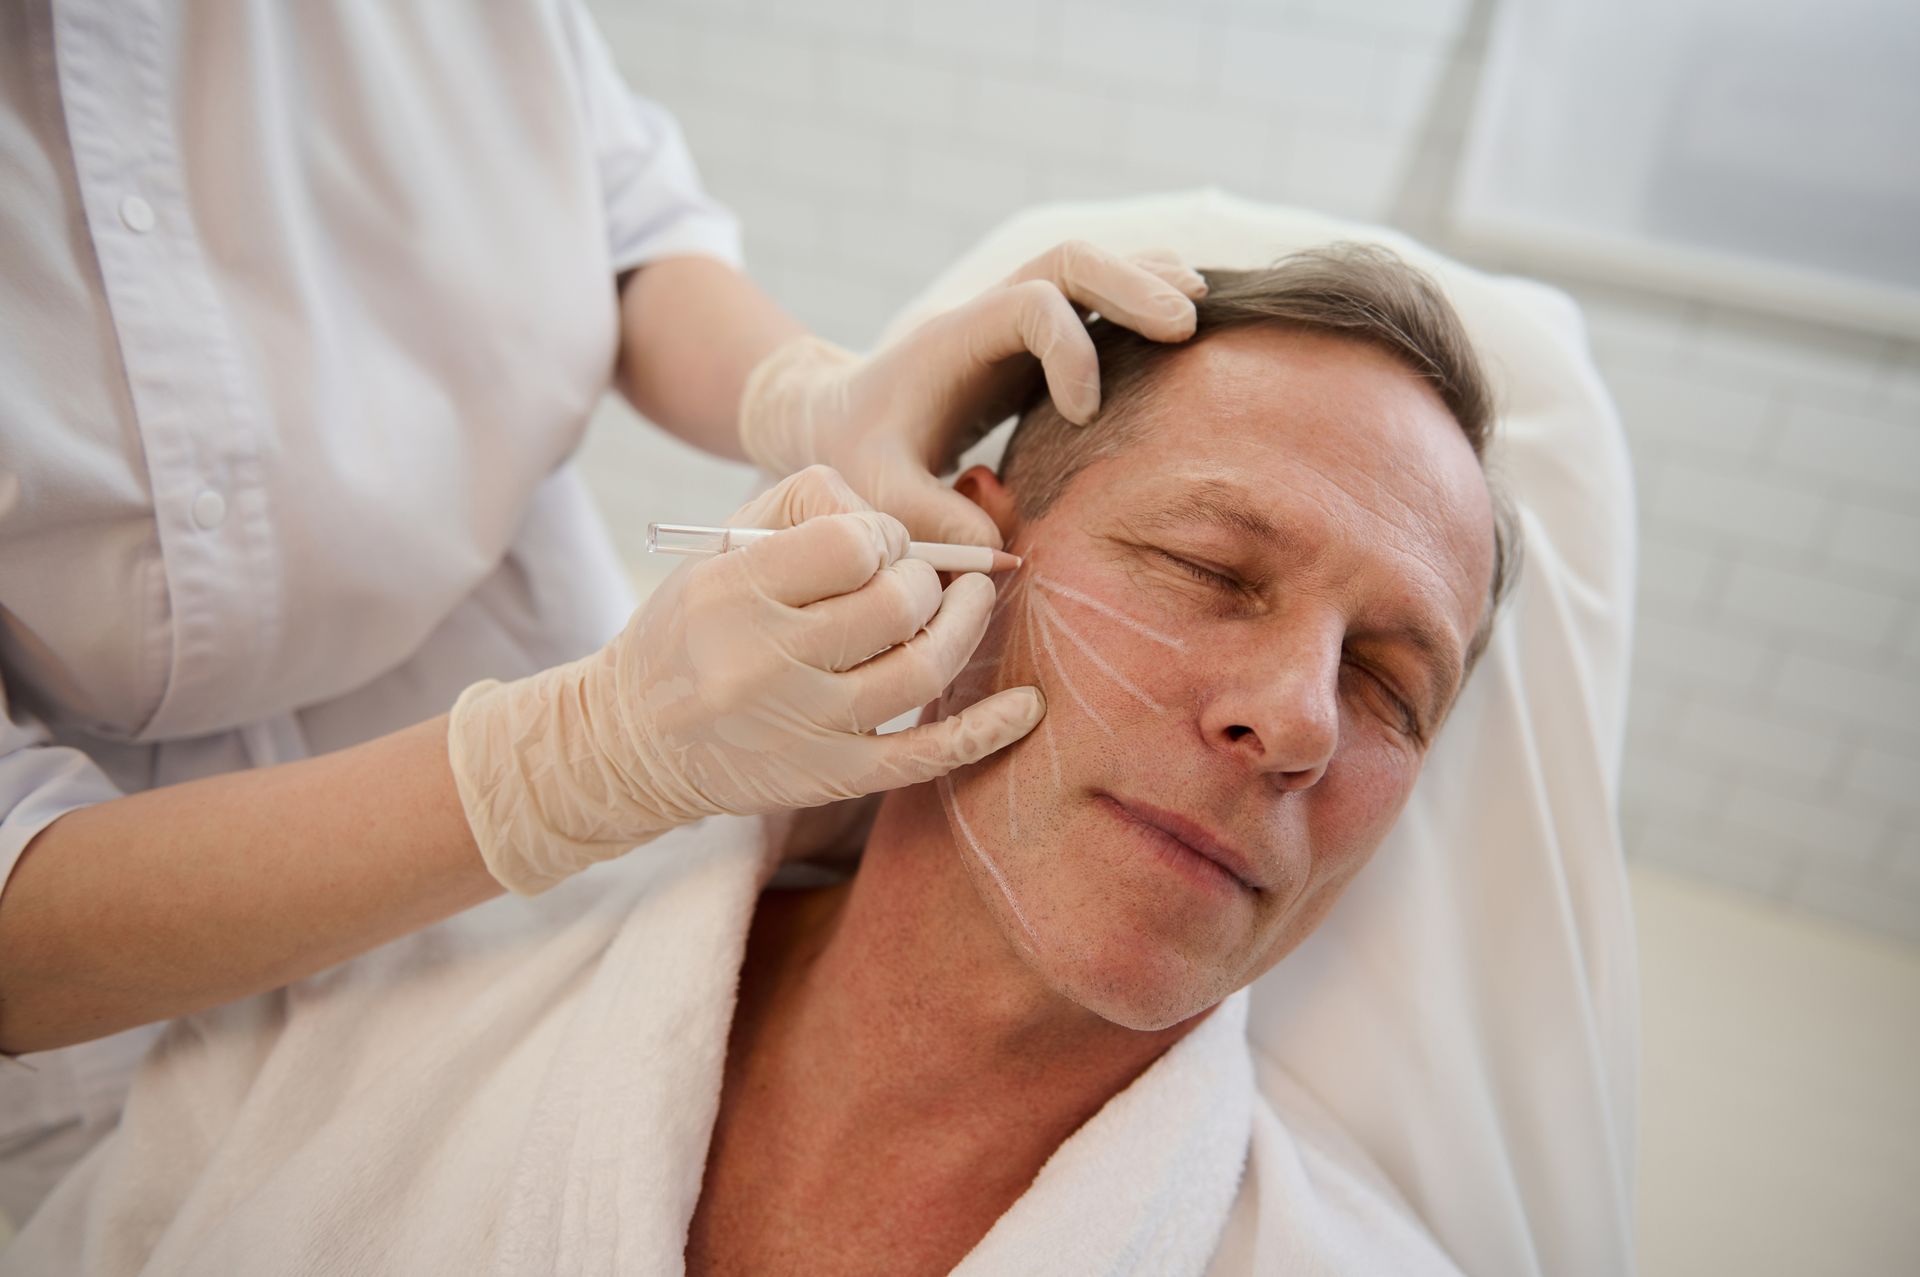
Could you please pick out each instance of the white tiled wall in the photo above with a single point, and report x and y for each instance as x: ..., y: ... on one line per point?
x: 1775, y: 737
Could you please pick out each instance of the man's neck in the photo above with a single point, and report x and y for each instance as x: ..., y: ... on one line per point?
x: 895, y: 1004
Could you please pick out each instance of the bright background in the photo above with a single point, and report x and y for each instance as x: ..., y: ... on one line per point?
x: 1776, y: 709
x: 1772, y: 794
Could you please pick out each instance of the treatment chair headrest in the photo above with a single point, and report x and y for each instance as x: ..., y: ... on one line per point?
x: 1468, y: 1011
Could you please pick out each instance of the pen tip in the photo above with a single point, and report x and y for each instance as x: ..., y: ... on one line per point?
x: 1004, y: 562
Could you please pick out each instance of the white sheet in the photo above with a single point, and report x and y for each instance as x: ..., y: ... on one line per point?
x: 1469, y: 1011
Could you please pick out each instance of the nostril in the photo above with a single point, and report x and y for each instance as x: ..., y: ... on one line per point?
x: 1239, y: 732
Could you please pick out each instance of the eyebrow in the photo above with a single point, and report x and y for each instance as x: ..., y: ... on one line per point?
x: 1213, y: 501
x: 1227, y: 506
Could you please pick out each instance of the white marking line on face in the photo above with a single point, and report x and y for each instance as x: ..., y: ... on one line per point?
x: 1145, y: 631
x: 1050, y: 616
x: 1012, y: 656
x: 1046, y: 724
x: 952, y: 806
x: 1015, y: 585
x: 1060, y: 668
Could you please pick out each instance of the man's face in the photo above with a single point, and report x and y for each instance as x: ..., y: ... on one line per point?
x: 1247, y: 623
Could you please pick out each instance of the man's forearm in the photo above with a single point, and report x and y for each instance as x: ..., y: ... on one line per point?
x: 692, y: 328
x: 180, y: 898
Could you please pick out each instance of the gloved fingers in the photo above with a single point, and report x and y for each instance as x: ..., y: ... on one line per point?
x: 918, y: 670
x: 1169, y: 266
x: 1033, y: 318
x: 933, y: 749
x: 802, y: 495
x: 1128, y: 293
x: 894, y: 605
x: 828, y: 555
x: 1045, y: 323
x: 904, y: 487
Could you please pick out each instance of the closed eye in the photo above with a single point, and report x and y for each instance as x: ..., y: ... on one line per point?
x: 1206, y: 575
x: 1408, y: 718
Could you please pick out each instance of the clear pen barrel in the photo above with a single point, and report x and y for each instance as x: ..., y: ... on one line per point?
x: 686, y: 538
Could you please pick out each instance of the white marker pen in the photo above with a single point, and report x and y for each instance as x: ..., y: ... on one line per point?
x: 687, y: 538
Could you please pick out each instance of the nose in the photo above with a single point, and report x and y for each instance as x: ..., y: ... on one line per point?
x: 1277, y: 712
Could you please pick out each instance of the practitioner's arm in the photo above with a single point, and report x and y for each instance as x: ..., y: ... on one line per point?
x: 692, y: 328
x: 179, y: 898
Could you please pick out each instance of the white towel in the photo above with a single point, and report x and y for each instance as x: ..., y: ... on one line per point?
x: 531, y: 1088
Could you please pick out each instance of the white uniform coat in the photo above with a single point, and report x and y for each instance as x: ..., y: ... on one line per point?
x: 303, y: 308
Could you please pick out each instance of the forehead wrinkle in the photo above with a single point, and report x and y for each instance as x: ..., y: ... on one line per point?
x: 1421, y: 534
x: 1234, y: 507
x: 1218, y: 502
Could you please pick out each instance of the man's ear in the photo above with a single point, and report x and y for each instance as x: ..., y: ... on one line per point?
x: 980, y: 485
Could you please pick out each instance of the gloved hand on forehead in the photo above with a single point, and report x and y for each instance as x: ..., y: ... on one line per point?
x: 749, y: 682
x: 890, y: 422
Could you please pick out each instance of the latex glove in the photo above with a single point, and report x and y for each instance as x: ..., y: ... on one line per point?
x: 744, y: 685
x: 890, y: 422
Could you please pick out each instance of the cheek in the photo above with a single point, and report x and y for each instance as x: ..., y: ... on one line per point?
x: 1362, y: 793
x: 1062, y: 876
x: 1107, y: 666
x: 1340, y: 826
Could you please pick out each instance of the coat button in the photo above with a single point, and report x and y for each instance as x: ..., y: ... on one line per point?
x: 137, y: 214
x: 209, y: 509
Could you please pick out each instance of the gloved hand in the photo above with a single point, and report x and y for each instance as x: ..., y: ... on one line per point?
x: 744, y: 685
x: 889, y: 423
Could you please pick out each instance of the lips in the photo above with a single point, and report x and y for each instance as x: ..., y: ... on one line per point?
x: 1192, y: 835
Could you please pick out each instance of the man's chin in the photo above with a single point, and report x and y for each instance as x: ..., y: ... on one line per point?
x: 1141, y: 986
x: 1104, y: 924
x: 1146, y: 1009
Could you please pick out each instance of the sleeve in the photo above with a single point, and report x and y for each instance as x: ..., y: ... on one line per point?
x: 655, y: 205
x: 39, y: 782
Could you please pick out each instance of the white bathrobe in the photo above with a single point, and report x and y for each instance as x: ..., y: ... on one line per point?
x: 531, y: 1087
